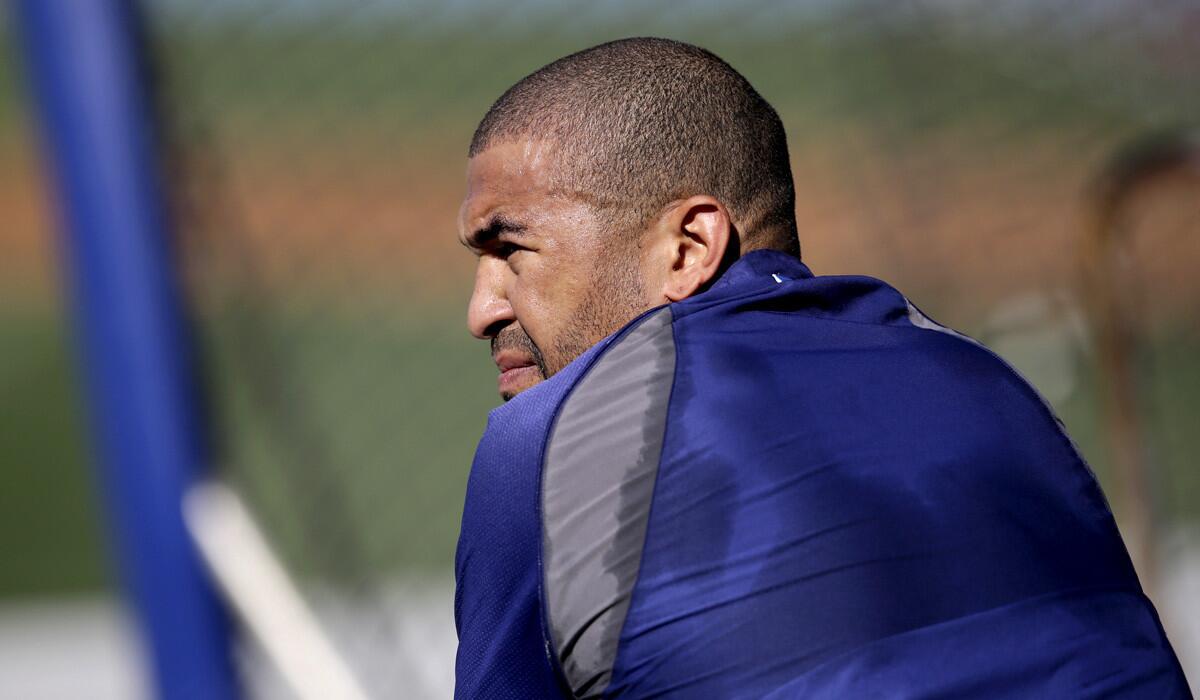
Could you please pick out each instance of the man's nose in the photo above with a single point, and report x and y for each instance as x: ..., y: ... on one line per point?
x: 489, y: 310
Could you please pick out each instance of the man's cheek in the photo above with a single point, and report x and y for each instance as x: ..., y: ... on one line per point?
x: 533, y: 308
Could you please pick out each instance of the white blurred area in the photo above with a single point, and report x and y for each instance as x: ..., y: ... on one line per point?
x: 86, y: 649
x: 1178, y: 600
x: 68, y: 649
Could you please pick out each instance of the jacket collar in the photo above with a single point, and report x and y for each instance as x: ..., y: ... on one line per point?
x: 760, y: 267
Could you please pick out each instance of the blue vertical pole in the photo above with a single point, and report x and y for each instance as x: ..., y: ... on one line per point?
x: 86, y: 65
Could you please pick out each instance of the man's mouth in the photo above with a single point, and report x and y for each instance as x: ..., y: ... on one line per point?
x: 518, y: 359
x: 517, y: 370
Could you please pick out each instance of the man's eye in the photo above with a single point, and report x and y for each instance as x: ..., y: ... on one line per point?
x: 504, y: 250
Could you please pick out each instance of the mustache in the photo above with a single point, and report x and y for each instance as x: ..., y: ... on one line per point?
x: 515, y: 338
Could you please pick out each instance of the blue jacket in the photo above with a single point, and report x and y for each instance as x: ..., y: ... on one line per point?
x: 792, y: 486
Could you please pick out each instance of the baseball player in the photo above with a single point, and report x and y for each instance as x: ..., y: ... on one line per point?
x: 720, y: 476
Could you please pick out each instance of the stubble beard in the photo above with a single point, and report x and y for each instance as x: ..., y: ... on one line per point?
x: 613, y: 299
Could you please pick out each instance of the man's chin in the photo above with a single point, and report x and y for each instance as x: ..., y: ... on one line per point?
x: 510, y: 395
x: 518, y: 379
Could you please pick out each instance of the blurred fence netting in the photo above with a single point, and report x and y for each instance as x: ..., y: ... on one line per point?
x: 317, y: 156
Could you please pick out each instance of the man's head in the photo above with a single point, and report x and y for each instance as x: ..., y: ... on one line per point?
x: 608, y: 182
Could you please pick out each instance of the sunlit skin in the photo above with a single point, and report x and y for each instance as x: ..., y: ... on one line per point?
x: 548, y: 283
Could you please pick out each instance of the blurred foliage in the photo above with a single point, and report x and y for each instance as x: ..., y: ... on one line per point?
x: 363, y: 445
x: 50, y: 524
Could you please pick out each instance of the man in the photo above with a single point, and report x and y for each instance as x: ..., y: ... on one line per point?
x: 722, y: 477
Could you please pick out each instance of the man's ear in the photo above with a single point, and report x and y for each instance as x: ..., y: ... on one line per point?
x: 695, y: 235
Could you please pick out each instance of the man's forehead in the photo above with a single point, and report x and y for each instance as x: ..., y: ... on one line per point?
x: 514, y: 165
x: 518, y: 176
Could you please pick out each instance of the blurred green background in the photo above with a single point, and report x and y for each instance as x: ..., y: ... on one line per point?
x: 316, y: 153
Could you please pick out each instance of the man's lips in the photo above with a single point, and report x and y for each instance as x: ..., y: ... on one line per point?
x: 515, y: 369
x: 507, y: 360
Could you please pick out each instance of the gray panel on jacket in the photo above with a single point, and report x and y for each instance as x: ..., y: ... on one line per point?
x: 597, y: 483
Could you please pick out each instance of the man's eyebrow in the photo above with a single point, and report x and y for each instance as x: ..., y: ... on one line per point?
x: 496, y: 226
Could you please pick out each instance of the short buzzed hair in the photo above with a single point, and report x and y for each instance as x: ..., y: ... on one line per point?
x: 639, y: 123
